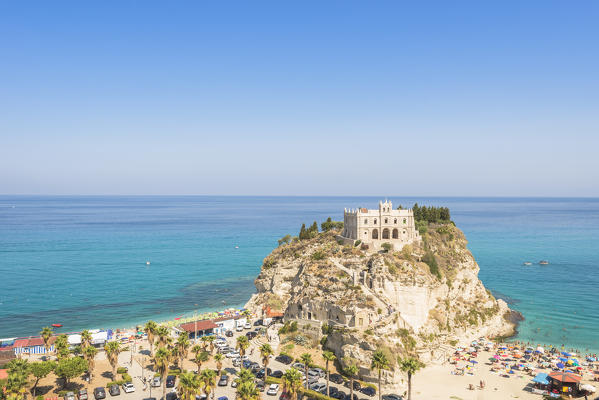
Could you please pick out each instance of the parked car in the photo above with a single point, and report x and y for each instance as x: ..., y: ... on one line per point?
x: 332, y: 390
x: 258, y: 322
x: 223, y: 398
x: 237, y: 362
x: 339, y: 395
x: 260, y: 374
x: 170, y: 381
x: 239, y: 328
x: 250, y: 335
x: 357, y: 385
x: 114, y: 390
x: 313, y: 373
x: 128, y: 387
x: 276, y: 374
x: 234, y: 383
x: 224, y: 380
x: 348, y: 397
x: 284, y: 359
x: 232, y: 354
x: 318, y: 386
x: 247, y: 325
x: 368, y: 391
x: 298, y: 365
x: 156, y: 382
x: 260, y: 386
x: 83, y: 394
x: 319, y: 371
x: 69, y: 396
x: 171, y: 396
x: 273, y: 389
x: 99, y: 393
x: 392, y: 397
x: 336, y: 378
x: 229, y: 333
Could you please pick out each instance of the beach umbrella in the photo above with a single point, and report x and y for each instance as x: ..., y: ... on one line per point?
x: 503, y: 348
x: 560, y: 365
x: 528, y: 351
x: 565, y: 377
x: 540, y: 349
x: 474, y: 361
x: 565, y: 353
x: 563, y: 359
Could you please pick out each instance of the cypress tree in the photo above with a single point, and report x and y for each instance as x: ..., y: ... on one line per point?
x: 302, y: 233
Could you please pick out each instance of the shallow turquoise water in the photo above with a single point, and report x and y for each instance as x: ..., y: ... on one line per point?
x: 81, y: 261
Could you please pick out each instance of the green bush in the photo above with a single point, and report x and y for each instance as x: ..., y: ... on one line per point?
x: 357, y: 243
x: 175, y: 371
x: 121, y: 370
x: 318, y: 255
x: 293, y: 327
x: 40, y: 397
x: 430, y: 260
x: 63, y: 393
x: 126, y: 378
x: 386, y: 246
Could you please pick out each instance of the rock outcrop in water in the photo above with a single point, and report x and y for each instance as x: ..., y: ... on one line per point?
x: 396, y: 302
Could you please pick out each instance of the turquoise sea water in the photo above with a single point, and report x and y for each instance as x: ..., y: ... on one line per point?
x: 81, y: 261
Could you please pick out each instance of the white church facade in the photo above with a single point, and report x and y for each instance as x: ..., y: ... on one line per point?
x: 375, y: 227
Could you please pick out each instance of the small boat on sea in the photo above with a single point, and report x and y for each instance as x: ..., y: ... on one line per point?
x: 527, y: 263
x: 147, y: 263
x: 57, y: 325
x: 543, y: 262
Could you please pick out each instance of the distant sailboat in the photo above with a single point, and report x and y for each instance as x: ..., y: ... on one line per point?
x: 527, y: 263
x: 147, y: 263
x: 543, y: 262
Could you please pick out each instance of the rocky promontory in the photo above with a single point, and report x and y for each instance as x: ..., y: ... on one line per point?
x: 420, y: 301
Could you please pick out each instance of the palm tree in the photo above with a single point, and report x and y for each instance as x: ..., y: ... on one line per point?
x: 210, y: 340
x: 244, y: 375
x: 248, y: 391
x: 61, y: 346
x: 201, y: 358
x: 242, y: 344
x: 89, y: 353
x: 189, y: 385
x: 46, y: 335
x: 292, y: 381
x: 86, y: 339
x: 219, y: 362
x: 182, y: 347
x: 306, y: 360
x: 113, y: 349
x: 410, y: 366
x: 265, y: 353
x: 162, y: 360
x: 18, y: 374
x: 163, y: 334
x: 379, y: 362
x: 328, y: 357
x: 150, y: 330
x: 204, y: 340
x: 207, y: 377
x: 351, y: 371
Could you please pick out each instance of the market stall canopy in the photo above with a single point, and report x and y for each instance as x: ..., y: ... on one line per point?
x: 541, y: 378
x: 564, y: 377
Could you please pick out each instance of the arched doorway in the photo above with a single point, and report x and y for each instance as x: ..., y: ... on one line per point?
x: 385, y: 233
x: 395, y: 234
x: 375, y: 233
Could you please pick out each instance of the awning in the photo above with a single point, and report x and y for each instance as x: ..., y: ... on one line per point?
x: 541, y: 378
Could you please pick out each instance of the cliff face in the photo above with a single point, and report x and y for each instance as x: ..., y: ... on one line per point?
x: 390, y: 301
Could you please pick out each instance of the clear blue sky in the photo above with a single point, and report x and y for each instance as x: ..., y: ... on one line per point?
x: 332, y: 98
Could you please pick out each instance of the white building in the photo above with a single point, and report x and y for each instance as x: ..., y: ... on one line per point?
x: 375, y: 227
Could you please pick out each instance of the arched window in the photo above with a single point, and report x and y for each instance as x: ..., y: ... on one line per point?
x: 375, y: 234
x: 386, y: 221
x: 385, y: 233
x: 404, y: 220
x: 395, y: 234
x: 395, y: 221
x: 375, y: 221
x: 366, y: 221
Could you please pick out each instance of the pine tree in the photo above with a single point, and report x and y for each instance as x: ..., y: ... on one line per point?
x: 302, y: 233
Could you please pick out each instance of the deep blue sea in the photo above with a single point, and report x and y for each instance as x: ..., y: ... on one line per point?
x: 81, y: 261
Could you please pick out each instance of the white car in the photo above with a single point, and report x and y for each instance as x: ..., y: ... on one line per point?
x: 239, y: 328
x: 247, y: 325
x: 233, y: 354
x: 273, y: 389
x: 128, y: 387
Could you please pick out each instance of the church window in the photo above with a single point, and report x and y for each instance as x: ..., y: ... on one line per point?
x: 375, y: 221
x: 395, y: 221
x: 404, y: 220
x: 366, y: 221
x: 385, y: 233
x: 395, y: 234
x: 309, y: 315
x: 386, y: 220
x: 375, y: 234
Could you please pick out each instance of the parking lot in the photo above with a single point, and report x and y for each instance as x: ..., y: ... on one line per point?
x: 316, y: 378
